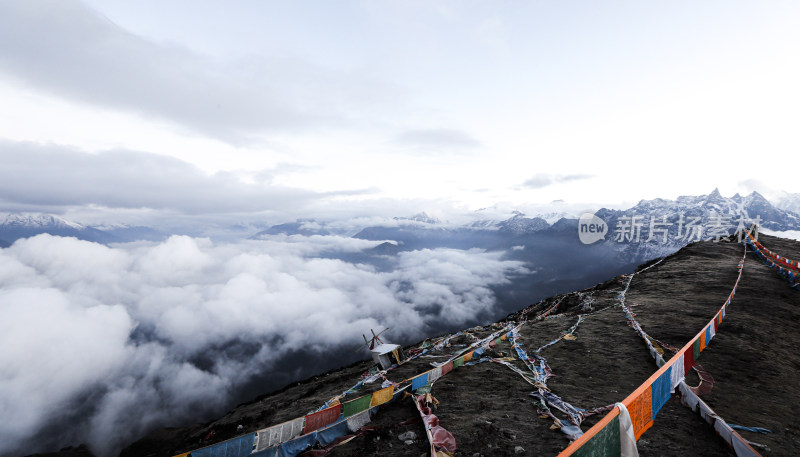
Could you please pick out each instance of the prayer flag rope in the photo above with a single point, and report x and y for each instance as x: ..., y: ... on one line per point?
x: 644, y: 403
x: 540, y: 373
x: 336, y: 418
x: 786, y: 268
x: 784, y: 261
x: 442, y: 442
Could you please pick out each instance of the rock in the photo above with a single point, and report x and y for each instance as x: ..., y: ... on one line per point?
x: 409, y: 441
x: 407, y: 436
x: 519, y: 450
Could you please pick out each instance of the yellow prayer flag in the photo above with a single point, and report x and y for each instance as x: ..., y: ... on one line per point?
x: 381, y: 396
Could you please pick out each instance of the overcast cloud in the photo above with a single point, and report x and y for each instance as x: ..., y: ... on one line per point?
x: 91, y: 333
x: 129, y: 180
x: 437, y: 140
x: 541, y: 180
x: 85, y: 57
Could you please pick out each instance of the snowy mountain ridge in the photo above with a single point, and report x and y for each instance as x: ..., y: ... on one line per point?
x: 31, y: 220
x: 704, y: 210
x: 753, y: 207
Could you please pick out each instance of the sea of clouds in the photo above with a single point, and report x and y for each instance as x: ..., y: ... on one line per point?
x: 102, y: 344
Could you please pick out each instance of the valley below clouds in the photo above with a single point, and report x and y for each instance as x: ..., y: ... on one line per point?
x: 118, y: 340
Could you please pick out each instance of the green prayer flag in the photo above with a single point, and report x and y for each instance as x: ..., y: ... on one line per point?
x: 354, y: 407
x: 604, y: 444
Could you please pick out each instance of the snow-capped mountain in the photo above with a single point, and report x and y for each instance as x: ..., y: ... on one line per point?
x: 14, y: 226
x: 23, y: 225
x: 657, y: 227
x: 520, y: 224
x: 707, y: 211
x: 789, y: 202
x: 31, y: 220
x: 422, y: 217
x: 493, y: 215
x: 517, y: 222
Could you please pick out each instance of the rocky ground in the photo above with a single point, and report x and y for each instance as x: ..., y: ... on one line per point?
x: 487, y: 406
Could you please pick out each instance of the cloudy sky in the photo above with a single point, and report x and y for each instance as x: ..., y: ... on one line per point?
x: 292, y: 108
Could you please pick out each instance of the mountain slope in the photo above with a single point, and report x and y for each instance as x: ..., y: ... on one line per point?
x: 487, y: 406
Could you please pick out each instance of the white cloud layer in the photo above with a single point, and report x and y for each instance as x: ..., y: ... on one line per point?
x: 91, y: 333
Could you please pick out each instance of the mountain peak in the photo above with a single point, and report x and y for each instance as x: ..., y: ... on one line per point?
x: 419, y: 217
x: 715, y: 199
x: 519, y: 224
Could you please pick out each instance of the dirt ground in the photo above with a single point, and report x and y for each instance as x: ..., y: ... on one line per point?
x: 488, y: 408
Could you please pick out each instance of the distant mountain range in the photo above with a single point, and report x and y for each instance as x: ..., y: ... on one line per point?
x: 14, y: 226
x: 664, y: 226
x: 649, y: 229
x: 669, y: 224
x: 752, y: 207
x: 553, y: 252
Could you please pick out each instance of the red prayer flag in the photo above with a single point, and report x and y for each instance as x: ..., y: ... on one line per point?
x: 447, y: 368
x: 327, y: 416
x: 688, y: 359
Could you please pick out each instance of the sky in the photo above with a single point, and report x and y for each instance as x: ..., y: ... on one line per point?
x: 312, y: 108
